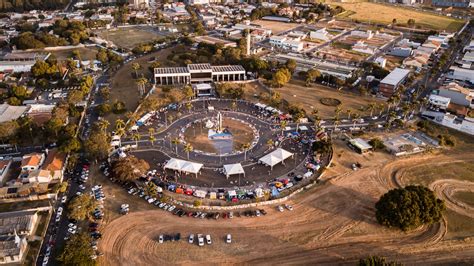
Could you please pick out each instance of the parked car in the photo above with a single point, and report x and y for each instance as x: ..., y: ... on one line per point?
x: 280, y: 208
x: 191, y: 239
x: 200, y: 240
x: 160, y: 239
x: 228, y: 239
x: 289, y: 207
x: 208, y: 239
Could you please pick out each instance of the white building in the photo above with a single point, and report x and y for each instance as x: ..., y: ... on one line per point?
x: 198, y: 73
x: 439, y: 101
x: 381, y: 61
x: 363, y: 34
x: 286, y: 43
x: 321, y: 34
x: 139, y: 3
x: 20, y: 62
x: 463, y: 74
x: 465, y: 125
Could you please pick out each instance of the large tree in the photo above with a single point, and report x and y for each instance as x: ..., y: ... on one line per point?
x: 409, y: 207
x: 129, y: 168
x: 97, y: 145
x: 78, y: 251
x: 81, y: 207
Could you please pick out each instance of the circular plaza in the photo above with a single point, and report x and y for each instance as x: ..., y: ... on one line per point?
x: 221, y: 143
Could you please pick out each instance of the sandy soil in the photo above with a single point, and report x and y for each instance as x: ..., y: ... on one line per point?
x: 274, y: 26
x: 309, y: 98
x: 199, y: 139
x: 331, y: 223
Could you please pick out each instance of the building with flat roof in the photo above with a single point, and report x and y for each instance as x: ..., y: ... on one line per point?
x: 10, y: 112
x: 392, y: 81
x: 360, y: 145
x: 20, y: 62
x: 198, y: 73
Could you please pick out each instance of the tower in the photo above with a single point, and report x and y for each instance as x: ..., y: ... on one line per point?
x: 249, y: 39
x: 219, y: 122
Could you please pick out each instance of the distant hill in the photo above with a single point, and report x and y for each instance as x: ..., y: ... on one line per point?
x: 25, y: 5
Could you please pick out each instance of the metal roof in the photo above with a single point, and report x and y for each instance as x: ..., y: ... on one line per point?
x: 395, y: 77
x: 200, y: 67
x: 228, y: 68
x: 171, y: 70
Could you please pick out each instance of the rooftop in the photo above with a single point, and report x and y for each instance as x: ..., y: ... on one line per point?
x: 10, y: 112
x: 199, y: 67
x: 397, y: 75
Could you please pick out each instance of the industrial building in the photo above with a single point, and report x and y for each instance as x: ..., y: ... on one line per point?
x: 392, y: 81
x: 198, y: 73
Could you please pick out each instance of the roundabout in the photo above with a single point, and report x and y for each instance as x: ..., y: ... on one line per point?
x: 213, y: 134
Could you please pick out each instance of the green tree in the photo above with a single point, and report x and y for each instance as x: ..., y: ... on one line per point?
x: 129, y: 168
x: 176, y: 142
x: 291, y: 65
x: 377, y: 144
x: 151, y: 134
x: 97, y: 145
x: 245, y: 148
x: 376, y: 261
x: 409, y: 207
x: 281, y: 77
x: 81, y: 207
x: 104, y: 93
x: 312, y: 75
x: 78, y: 251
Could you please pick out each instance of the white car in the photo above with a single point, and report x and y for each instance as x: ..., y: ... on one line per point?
x: 208, y: 239
x: 289, y: 207
x: 160, y: 239
x: 45, y: 260
x: 71, y: 230
x: 280, y: 208
x: 200, y: 240
x: 228, y: 239
x: 64, y: 199
x: 191, y: 239
x: 171, y: 208
x: 151, y: 200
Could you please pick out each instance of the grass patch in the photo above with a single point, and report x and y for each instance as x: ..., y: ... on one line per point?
x: 426, y: 174
x: 459, y: 226
x: 384, y: 14
x: 131, y: 36
x: 465, y: 196
x: 309, y: 98
x: 23, y: 205
x: 33, y: 249
x: 42, y: 223
x: 87, y: 53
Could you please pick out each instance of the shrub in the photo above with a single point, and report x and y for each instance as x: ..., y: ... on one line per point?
x: 377, y: 144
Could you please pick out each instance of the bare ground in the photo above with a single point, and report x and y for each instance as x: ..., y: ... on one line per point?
x: 332, y: 223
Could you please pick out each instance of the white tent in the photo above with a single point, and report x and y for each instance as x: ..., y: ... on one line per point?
x: 275, y: 157
x: 183, y: 166
x: 233, y: 169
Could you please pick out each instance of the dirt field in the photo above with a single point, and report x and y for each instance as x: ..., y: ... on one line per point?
x: 331, y: 223
x: 129, y: 37
x: 275, y: 26
x: 365, y: 11
x: 199, y: 139
x: 309, y: 98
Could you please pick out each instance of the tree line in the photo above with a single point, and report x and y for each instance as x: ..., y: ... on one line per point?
x: 26, y: 5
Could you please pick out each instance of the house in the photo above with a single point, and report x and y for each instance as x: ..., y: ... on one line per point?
x: 4, y: 167
x: 439, y: 101
x: 381, y: 61
x: 54, y: 164
x: 363, y: 34
x: 458, y: 94
x: 362, y: 47
x: 32, y: 161
x: 401, y: 51
x: 321, y: 34
x: 286, y: 43
x: 360, y: 145
x: 463, y: 74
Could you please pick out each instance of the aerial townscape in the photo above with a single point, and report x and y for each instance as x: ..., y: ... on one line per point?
x: 274, y: 132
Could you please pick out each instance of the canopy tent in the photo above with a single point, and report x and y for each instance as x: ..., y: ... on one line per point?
x: 183, y: 166
x: 233, y: 169
x: 275, y: 157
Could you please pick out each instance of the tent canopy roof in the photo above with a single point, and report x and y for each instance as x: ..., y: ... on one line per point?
x: 183, y: 166
x: 275, y: 157
x: 233, y: 169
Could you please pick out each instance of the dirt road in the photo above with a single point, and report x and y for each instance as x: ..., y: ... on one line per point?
x: 332, y: 223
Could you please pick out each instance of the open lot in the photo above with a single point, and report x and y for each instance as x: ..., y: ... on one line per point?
x: 131, y: 36
x: 380, y: 13
x: 309, y: 98
x: 331, y: 223
x: 123, y: 86
x: 87, y: 53
x: 275, y: 26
